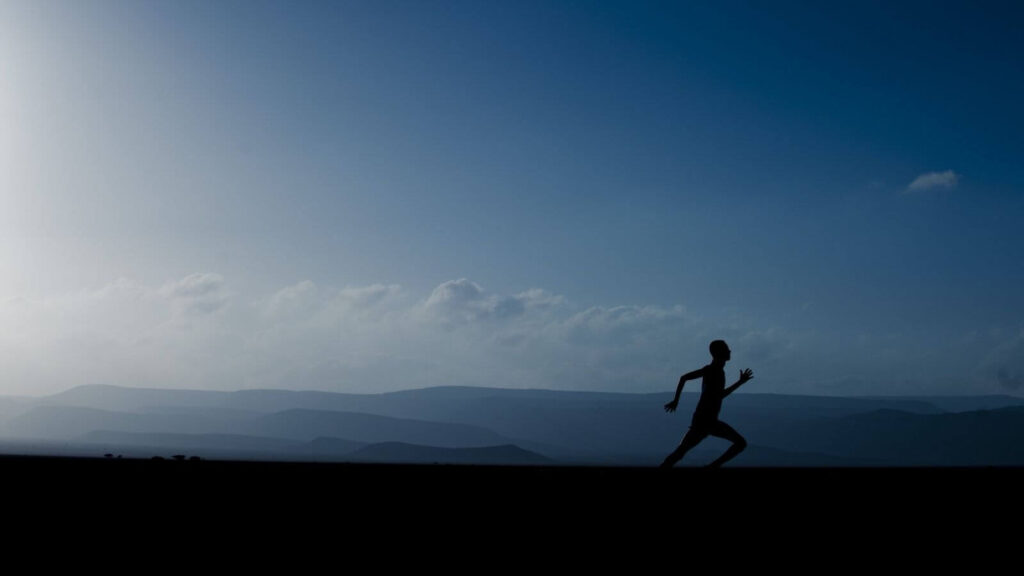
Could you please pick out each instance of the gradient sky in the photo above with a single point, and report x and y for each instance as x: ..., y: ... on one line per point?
x: 369, y: 196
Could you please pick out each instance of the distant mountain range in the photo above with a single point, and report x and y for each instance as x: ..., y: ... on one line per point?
x: 508, y: 454
x: 462, y: 425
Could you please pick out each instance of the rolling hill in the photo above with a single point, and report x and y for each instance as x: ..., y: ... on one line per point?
x: 567, y: 427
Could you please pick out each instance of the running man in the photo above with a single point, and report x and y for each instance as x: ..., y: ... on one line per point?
x: 705, y: 418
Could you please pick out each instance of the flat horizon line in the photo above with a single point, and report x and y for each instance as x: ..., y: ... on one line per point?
x: 667, y: 392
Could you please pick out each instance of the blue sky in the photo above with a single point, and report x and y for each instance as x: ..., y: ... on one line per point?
x: 380, y: 195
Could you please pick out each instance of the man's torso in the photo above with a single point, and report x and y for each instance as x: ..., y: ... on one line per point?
x: 710, y: 403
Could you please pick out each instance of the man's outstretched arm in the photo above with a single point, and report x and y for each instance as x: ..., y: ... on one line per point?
x: 744, y: 376
x: 671, y: 406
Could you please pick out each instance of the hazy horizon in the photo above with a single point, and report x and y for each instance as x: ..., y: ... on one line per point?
x: 378, y: 196
x: 691, y: 390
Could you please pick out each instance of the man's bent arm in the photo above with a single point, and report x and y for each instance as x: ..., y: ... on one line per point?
x: 682, y: 380
x: 744, y: 376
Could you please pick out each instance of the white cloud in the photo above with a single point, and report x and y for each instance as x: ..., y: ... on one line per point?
x: 197, y: 332
x: 604, y: 319
x: 368, y: 296
x: 455, y: 293
x: 291, y: 301
x: 203, y: 332
x: 463, y: 301
x: 197, y: 293
x: 535, y: 299
x: 305, y: 298
x: 934, y: 180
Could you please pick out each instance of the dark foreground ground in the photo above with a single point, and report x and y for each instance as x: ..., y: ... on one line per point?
x: 591, y: 512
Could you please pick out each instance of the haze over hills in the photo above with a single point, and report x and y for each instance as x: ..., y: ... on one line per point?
x: 225, y: 442
x: 508, y: 454
x: 973, y: 438
x: 487, y: 425
x: 53, y: 422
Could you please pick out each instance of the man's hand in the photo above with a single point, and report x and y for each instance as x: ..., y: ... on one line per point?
x: 745, y: 375
x: 671, y: 406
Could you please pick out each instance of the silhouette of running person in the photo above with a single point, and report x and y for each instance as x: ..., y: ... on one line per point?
x: 705, y: 418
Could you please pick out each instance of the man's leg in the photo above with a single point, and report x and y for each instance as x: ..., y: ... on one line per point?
x: 691, y: 439
x: 722, y: 430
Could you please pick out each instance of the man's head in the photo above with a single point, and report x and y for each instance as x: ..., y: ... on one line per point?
x: 720, y: 351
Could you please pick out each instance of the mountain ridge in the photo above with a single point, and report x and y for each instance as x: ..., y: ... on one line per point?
x: 571, y: 427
